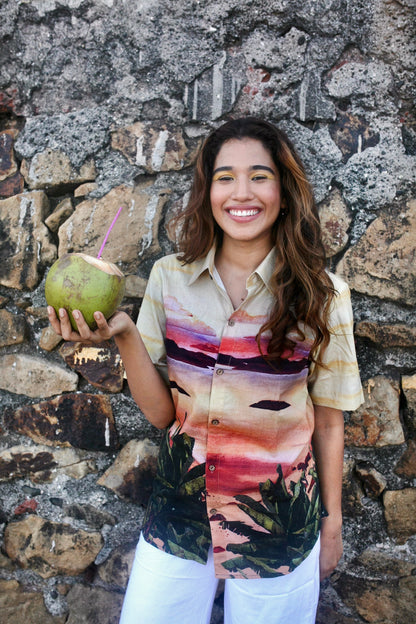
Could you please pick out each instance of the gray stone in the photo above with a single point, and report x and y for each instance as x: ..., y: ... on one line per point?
x: 93, y: 605
x: 214, y: 92
x: 79, y: 135
x: 335, y: 221
x: 34, y: 377
x: 52, y: 169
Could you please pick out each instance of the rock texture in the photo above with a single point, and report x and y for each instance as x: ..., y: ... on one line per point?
x: 104, y: 103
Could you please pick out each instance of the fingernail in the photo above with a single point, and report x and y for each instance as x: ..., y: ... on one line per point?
x: 50, y: 308
x: 75, y: 314
x: 61, y: 312
x: 97, y: 316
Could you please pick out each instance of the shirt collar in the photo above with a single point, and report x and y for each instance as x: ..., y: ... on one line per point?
x: 264, y: 270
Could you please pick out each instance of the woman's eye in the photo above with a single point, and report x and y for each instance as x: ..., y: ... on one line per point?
x: 225, y: 178
x: 259, y: 176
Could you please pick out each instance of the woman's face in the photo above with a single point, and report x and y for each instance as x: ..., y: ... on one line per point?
x: 245, y: 192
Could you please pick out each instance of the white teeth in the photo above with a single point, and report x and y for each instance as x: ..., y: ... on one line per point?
x: 243, y: 213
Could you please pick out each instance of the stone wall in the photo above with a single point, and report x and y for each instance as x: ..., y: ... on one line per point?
x: 104, y: 103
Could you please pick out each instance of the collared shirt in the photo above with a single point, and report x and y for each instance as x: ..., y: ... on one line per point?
x: 236, y: 467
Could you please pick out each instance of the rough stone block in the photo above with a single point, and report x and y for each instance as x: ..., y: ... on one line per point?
x: 81, y: 420
x: 376, y: 422
x: 400, y: 513
x: 382, y: 262
x: 43, y: 463
x: 50, y: 548
x: 93, y: 605
x: 135, y: 232
x: 18, y: 604
x: 12, y: 328
x: 100, y: 364
x: 25, y: 245
x: 34, y: 377
x: 131, y: 476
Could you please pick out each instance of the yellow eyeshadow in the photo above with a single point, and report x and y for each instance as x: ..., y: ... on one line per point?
x: 264, y: 174
x: 221, y: 174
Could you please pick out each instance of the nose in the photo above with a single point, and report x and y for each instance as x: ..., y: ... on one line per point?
x: 242, y: 189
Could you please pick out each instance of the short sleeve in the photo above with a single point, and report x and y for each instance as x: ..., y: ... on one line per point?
x: 151, y: 322
x: 338, y: 384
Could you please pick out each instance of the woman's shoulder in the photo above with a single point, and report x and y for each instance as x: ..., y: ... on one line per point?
x: 340, y: 286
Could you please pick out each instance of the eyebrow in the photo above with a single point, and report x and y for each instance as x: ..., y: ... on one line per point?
x: 253, y: 168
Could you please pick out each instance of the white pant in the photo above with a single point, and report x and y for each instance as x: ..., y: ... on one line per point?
x: 164, y: 589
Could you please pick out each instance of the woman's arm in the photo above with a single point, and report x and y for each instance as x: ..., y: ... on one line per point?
x: 328, y: 445
x: 146, y: 385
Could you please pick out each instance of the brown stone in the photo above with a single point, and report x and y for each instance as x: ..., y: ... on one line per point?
x: 8, y: 165
x: 18, y: 604
x: 400, y: 513
x: 379, y: 600
x: 49, y: 339
x: 93, y: 605
x: 386, y: 334
x: 13, y: 185
x: 406, y: 466
x: 26, y: 245
x: 382, y: 262
x: 100, y: 364
x: 12, y: 328
x: 373, y: 481
x: 352, y: 491
x: 135, y: 232
x: 50, y: 548
x: 154, y: 149
x: 376, y: 422
x: 335, y: 220
x: 53, y: 169
x: 352, y: 134
x: 81, y: 420
x: 63, y: 210
x: 135, y: 286
x: 85, y: 189
x: 131, y: 475
x: 409, y: 391
x: 34, y: 377
x: 43, y: 463
x: 116, y: 569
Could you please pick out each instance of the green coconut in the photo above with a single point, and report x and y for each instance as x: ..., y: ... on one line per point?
x: 77, y: 281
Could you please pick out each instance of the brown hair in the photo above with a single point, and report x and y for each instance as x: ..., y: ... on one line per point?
x: 302, y: 289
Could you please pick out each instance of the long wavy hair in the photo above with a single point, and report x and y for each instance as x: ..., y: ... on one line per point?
x: 302, y: 289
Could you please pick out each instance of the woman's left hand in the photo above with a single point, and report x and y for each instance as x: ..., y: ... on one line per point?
x: 331, y: 546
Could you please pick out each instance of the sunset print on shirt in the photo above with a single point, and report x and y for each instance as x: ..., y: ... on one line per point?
x: 242, y: 439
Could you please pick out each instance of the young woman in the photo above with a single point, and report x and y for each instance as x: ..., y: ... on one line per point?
x: 244, y: 352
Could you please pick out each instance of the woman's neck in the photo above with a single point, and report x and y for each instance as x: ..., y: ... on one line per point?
x: 235, y: 262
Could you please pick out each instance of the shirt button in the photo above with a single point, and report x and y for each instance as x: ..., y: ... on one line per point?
x: 211, y: 468
x: 219, y: 371
x: 215, y: 421
x: 231, y: 322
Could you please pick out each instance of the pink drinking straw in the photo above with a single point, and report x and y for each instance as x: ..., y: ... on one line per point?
x: 108, y: 232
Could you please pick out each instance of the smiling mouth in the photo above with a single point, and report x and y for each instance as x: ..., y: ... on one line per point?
x: 251, y: 212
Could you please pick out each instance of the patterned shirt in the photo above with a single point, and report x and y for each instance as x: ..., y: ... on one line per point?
x: 236, y: 467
